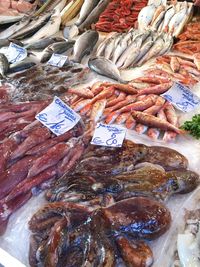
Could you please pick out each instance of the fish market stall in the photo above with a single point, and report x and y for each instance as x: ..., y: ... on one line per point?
x: 99, y: 133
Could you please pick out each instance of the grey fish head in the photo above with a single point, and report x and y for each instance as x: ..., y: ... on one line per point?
x: 105, y: 67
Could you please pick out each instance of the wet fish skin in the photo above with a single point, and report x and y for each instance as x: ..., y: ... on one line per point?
x: 85, y: 44
x: 43, y: 43
x: 105, y: 67
x: 86, y: 8
x: 34, y: 25
x: 4, y: 65
x: 10, y: 31
x: 58, y: 48
x: 7, y: 41
x: 94, y: 15
x: 20, y: 66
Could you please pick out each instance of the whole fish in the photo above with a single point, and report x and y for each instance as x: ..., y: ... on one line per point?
x: 14, y: 28
x: 43, y: 43
x: 176, y: 19
x: 143, y: 49
x: 4, y: 65
x: 57, y: 48
x: 158, y: 21
x: 168, y: 15
x: 49, y: 29
x: 132, y: 51
x: 101, y: 48
x: 85, y: 44
x: 20, y: 66
x: 145, y: 16
x: 154, y: 50
x: 94, y: 15
x: 86, y: 8
x: 32, y: 27
x: 110, y: 46
x: 105, y: 67
x: 168, y: 43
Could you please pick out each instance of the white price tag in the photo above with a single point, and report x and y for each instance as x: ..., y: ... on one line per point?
x: 15, y: 53
x: 57, y: 60
x: 58, y: 117
x: 182, y: 98
x: 6, y: 260
x: 108, y: 135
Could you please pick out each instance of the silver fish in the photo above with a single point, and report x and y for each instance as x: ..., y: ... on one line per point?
x: 154, y: 50
x: 105, y: 67
x: 131, y: 51
x: 59, y: 48
x: 10, y: 19
x: 4, y: 65
x: 168, y: 43
x: 144, y: 49
x: 168, y: 15
x: 158, y: 20
x: 145, y: 16
x: 43, y: 43
x: 6, y: 42
x: 49, y: 29
x: 14, y: 28
x: 94, y: 15
x: 102, y: 46
x: 85, y: 44
x: 33, y: 27
x: 20, y: 66
x: 86, y: 8
x: 110, y: 47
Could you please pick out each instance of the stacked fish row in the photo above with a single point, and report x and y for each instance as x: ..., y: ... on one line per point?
x: 31, y: 156
x: 140, y: 109
x: 109, y: 204
x: 120, y: 15
x: 189, y: 40
x: 177, y: 69
x: 134, y: 48
x: 170, y: 19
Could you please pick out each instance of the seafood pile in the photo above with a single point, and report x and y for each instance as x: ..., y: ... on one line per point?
x: 137, y: 105
x: 31, y: 156
x: 42, y: 82
x: 189, y: 40
x: 170, y: 19
x: 120, y: 15
x: 174, y: 68
x: 134, y: 48
x: 100, y: 207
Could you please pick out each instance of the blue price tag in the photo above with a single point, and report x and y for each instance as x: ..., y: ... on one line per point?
x: 15, y: 53
x: 57, y: 60
x: 58, y: 117
x: 108, y: 135
x: 182, y: 98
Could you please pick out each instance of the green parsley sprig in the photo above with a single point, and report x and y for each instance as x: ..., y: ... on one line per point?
x: 193, y: 126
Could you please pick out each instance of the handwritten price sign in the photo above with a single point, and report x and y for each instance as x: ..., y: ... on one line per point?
x: 182, y: 98
x: 108, y: 135
x: 57, y: 60
x: 58, y: 117
x: 15, y: 53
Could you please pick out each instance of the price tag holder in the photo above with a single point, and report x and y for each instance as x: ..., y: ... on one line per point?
x: 15, y: 53
x: 57, y: 60
x: 58, y: 117
x: 108, y: 135
x: 6, y: 260
x: 182, y: 98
